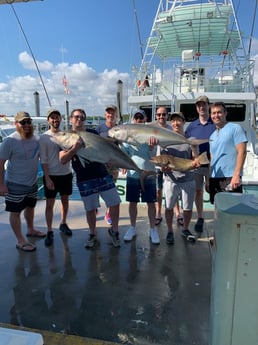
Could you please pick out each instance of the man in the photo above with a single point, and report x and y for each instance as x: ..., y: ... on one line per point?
x: 179, y: 183
x: 141, y: 155
x: 201, y: 129
x: 102, y: 129
x: 57, y: 176
x: 228, y: 153
x: 93, y: 181
x: 19, y: 183
x: 161, y: 121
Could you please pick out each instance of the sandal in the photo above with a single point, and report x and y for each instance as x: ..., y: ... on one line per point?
x: 180, y: 220
x: 37, y: 234
x: 158, y: 220
x: 26, y: 247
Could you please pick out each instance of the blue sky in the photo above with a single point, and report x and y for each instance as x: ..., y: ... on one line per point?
x: 94, y: 43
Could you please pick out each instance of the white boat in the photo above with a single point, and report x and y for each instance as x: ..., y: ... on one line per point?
x: 196, y: 48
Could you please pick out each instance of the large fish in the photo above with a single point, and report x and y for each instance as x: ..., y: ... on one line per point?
x: 140, y: 133
x: 177, y: 163
x: 98, y: 149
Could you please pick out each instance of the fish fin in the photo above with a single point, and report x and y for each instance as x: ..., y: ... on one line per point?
x: 203, y: 159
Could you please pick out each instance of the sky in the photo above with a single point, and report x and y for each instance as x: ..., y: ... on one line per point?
x: 93, y: 43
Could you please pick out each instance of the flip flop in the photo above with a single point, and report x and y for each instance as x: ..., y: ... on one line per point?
x: 158, y: 220
x: 37, y: 234
x: 26, y: 247
x: 180, y: 220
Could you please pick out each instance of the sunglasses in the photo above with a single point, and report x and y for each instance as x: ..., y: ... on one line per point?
x: 25, y: 122
x: 161, y: 114
x: 77, y: 117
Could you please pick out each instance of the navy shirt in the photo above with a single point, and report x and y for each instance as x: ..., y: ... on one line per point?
x: 200, y: 131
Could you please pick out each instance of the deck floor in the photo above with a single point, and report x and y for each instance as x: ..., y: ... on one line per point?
x: 137, y: 294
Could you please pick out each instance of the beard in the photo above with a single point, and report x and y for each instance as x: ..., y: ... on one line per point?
x: 25, y: 134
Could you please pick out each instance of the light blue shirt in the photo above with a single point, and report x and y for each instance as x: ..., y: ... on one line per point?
x: 223, y: 149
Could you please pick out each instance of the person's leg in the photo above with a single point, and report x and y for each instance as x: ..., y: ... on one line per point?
x: 133, y: 213
x: 49, y: 213
x: 15, y: 222
x: 91, y: 219
x: 64, y: 208
x: 151, y: 214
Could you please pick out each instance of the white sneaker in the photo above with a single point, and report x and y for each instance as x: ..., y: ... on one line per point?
x: 154, y: 236
x: 130, y: 234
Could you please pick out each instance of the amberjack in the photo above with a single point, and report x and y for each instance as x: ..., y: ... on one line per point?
x: 98, y: 149
x: 135, y: 134
x: 179, y: 164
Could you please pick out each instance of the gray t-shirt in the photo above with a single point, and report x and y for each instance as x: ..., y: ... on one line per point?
x: 22, y: 157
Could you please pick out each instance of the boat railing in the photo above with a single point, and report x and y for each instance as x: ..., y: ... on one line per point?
x: 192, y: 77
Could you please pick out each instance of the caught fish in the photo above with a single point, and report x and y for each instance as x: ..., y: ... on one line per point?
x: 98, y: 149
x: 179, y: 164
x: 135, y: 134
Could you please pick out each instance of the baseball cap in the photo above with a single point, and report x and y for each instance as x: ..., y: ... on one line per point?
x: 51, y: 111
x: 111, y: 106
x: 177, y: 114
x: 21, y: 115
x: 204, y: 99
x: 139, y: 111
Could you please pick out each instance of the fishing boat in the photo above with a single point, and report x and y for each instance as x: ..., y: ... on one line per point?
x: 196, y: 48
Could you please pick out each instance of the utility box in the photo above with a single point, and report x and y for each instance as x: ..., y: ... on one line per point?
x: 9, y: 336
x: 234, y: 288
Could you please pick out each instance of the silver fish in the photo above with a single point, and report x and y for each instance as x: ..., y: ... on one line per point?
x: 140, y: 133
x: 98, y: 149
x: 177, y: 163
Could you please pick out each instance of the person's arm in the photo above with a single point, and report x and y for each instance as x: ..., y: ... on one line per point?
x: 66, y: 156
x: 240, y: 160
x: 3, y: 188
x: 49, y: 182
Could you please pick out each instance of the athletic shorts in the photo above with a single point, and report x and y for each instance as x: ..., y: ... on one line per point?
x: 134, y: 192
x: 103, y: 187
x: 63, y: 185
x: 19, y: 197
x: 173, y: 190
x: 199, y: 176
x: 219, y: 184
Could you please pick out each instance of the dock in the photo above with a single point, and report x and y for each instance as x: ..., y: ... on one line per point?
x: 139, y: 293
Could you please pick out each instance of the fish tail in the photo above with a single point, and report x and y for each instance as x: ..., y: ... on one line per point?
x: 203, y: 159
x: 143, y: 175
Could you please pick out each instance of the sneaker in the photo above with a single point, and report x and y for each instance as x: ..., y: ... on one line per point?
x: 170, y: 238
x: 130, y: 234
x: 154, y: 236
x: 49, y: 239
x: 65, y: 229
x: 108, y: 219
x: 188, y: 235
x: 199, y: 225
x: 91, y: 242
x: 115, y: 237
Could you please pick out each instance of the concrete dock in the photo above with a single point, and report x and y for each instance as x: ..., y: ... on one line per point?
x: 139, y: 293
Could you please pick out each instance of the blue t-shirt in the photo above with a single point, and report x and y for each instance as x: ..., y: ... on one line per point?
x: 199, y: 131
x: 223, y: 149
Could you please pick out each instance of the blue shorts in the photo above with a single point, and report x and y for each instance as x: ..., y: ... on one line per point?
x: 19, y: 197
x: 92, y: 189
x: 134, y: 190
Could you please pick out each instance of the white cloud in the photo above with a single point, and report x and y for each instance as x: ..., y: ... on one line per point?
x: 88, y: 89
